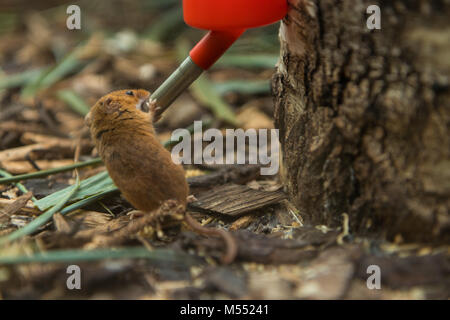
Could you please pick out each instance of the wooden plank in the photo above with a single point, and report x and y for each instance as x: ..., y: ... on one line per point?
x: 234, y: 200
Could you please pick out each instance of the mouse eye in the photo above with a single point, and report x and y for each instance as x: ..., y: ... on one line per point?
x: 130, y: 93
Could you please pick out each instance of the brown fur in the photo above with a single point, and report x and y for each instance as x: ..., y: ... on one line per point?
x: 136, y: 161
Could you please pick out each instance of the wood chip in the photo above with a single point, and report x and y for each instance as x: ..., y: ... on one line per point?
x: 20, y: 153
x: 23, y: 166
x: 61, y: 223
x: 242, y: 222
x: 92, y: 219
x: 29, y: 138
x: 18, y: 204
x: 14, y: 126
x: 29, y: 206
x: 234, y: 200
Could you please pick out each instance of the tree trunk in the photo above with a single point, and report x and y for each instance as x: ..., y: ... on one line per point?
x: 364, y: 116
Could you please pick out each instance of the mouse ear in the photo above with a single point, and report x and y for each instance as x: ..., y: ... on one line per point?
x: 110, y: 105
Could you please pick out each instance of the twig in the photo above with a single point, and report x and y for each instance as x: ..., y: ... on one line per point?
x: 169, y: 209
x: 230, y: 242
x: 344, y: 233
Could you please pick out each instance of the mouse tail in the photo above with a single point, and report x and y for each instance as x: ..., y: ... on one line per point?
x: 230, y: 241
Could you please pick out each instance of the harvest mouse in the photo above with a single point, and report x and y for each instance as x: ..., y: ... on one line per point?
x: 139, y: 165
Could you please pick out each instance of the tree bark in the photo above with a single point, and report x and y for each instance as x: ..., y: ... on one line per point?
x: 364, y: 116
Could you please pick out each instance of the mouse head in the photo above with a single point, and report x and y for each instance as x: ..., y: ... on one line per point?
x: 112, y: 107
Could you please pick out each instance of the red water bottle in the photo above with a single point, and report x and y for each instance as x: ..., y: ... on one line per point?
x: 226, y: 20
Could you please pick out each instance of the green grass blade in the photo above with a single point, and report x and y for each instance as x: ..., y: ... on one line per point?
x: 74, y: 101
x: 44, y: 173
x: 41, y: 220
x: 91, y: 199
x: 168, y: 25
x: 204, y: 92
x: 247, y: 61
x: 96, y: 184
x: 243, y: 87
x: 70, y: 256
x: 20, y: 186
x: 67, y: 65
x: 21, y: 79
